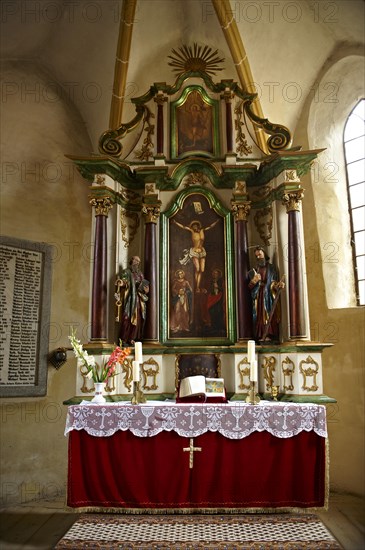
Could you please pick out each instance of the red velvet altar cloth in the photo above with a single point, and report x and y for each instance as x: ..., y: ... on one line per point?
x: 260, y: 471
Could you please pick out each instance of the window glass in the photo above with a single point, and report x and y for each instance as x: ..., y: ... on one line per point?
x: 355, y: 171
x: 354, y: 145
x: 358, y: 218
x: 355, y: 149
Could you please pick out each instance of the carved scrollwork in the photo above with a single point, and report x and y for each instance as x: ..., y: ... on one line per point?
x: 307, y: 372
x: 196, y: 178
x: 150, y: 370
x: 269, y: 365
x: 146, y: 151
x: 243, y: 368
x: 280, y: 137
x: 242, y: 146
x: 109, y: 141
x: 109, y: 144
x: 127, y: 370
x: 128, y: 230
x: 288, y: 369
x: 263, y: 220
x: 84, y: 388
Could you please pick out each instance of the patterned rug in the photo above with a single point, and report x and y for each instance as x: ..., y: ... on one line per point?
x: 199, y: 532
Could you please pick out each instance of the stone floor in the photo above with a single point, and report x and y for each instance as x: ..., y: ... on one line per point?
x: 40, y: 524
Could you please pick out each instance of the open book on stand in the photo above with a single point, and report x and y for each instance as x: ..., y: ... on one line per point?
x: 199, y: 389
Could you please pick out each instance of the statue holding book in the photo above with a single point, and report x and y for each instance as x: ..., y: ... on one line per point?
x: 265, y: 287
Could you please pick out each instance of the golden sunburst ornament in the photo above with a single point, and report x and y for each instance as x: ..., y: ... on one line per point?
x: 196, y: 59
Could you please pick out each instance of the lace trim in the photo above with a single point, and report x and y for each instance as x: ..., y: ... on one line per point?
x: 232, y: 420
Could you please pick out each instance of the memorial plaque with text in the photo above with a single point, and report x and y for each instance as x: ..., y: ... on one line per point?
x: 25, y: 293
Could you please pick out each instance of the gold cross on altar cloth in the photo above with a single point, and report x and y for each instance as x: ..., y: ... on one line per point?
x: 191, y: 449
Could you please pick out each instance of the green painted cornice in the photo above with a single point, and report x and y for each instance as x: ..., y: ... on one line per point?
x: 119, y: 171
x: 276, y: 163
x: 222, y: 176
x: 216, y: 87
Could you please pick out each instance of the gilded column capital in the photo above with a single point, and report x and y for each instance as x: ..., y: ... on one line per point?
x: 151, y: 212
x: 160, y: 98
x: 102, y: 205
x: 241, y: 210
x: 227, y: 95
x: 292, y: 199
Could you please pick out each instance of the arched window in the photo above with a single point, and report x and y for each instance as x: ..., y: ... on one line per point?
x: 354, y: 143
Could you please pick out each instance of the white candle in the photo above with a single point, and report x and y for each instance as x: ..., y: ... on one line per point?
x: 138, y: 352
x: 251, y: 351
x: 253, y: 371
x: 135, y: 368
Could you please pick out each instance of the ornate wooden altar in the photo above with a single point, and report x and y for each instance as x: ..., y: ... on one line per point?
x: 198, y: 163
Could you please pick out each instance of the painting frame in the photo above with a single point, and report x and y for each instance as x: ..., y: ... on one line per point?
x: 196, y: 310
x: 194, y: 124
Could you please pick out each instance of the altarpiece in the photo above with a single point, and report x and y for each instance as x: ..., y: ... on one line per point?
x: 186, y: 185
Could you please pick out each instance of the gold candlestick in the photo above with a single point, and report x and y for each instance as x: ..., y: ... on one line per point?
x: 252, y: 398
x: 138, y: 395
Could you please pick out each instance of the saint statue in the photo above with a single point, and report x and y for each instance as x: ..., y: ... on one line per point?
x: 264, y: 285
x: 131, y: 300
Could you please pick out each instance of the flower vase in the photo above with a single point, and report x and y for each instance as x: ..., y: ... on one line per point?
x: 99, y: 393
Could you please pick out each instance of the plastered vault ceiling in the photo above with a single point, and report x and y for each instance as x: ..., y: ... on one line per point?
x: 288, y: 45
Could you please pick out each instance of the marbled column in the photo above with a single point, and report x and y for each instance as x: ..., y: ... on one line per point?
x: 292, y: 200
x: 240, y: 212
x: 160, y: 99
x: 151, y: 211
x: 99, y: 305
x: 228, y: 96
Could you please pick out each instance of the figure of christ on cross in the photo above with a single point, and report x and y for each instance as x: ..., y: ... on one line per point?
x: 197, y: 252
x: 191, y: 450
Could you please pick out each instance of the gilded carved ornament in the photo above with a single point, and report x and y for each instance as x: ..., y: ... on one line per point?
x: 151, y: 212
x: 99, y: 179
x: 150, y: 189
x: 195, y: 58
x: 243, y: 368
x: 242, y: 146
x: 240, y: 188
x: 128, y: 230
x: 130, y: 196
x: 102, y: 205
x: 288, y: 369
x: 160, y: 98
x: 227, y: 95
x: 146, y: 151
x: 261, y: 193
x: 84, y: 388
x: 263, y: 220
x: 310, y: 371
x: 291, y: 175
x: 150, y: 370
x: 241, y: 210
x: 196, y: 178
x: 268, y: 365
x: 127, y: 370
x: 292, y: 200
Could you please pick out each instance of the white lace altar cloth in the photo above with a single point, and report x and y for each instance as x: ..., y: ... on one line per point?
x: 232, y: 420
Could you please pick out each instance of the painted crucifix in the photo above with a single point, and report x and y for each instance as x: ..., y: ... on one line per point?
x: 197, y: 252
